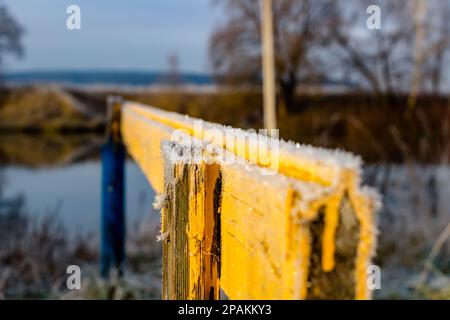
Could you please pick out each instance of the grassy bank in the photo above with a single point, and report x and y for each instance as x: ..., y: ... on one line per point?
x: 378, y: 129
x: 45, y: 109
x: 375, y: 128
x: 51, y: 126
x: 35, y: 253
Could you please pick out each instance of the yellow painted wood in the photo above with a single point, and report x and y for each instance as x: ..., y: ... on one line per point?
x: 286, y: 162
x: 143, y: 138
x: 365, y: 207
x: 265, y: 221
x: 329, y: 234
x: 266, y: 239
x: 190, y: 232
x: 262, y: 254
x: 203, y: 233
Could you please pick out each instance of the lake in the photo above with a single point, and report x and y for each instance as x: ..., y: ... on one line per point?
x: 72, y: 191
x: 37, y: 167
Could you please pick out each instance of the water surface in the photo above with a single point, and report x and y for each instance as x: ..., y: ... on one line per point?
x: 73, y: 192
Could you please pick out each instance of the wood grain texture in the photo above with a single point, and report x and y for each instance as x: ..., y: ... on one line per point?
x: 191, y: 247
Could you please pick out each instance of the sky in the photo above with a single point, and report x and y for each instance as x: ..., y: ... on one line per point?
x: 115, y: 34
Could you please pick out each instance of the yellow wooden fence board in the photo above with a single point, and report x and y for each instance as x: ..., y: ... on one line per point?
x: 265, y: 221
x: 143, y: 137
x: 307, y: 164
x: 256, y: 222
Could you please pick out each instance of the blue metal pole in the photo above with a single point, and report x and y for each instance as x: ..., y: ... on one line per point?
x: 113, y: 197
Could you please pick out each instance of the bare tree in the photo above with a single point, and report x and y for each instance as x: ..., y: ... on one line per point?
x: 173, y: 73
x: 326, y: 39
x: 10, y: 35
x: 437, y: 44
x: 419, y: 13
x: 235, y: 47
x: 407, y: 55
x: 380, y: 60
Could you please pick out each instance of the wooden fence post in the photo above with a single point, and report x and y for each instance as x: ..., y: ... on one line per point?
x: 190, y: 232
x: 268, y: 62
x: 113, y: 201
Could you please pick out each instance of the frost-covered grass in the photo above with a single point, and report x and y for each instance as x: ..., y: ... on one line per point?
x: 415, y: 204
x: 414, y: 217
x: 34, y: 255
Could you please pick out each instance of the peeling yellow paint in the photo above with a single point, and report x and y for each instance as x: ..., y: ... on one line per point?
x: 329, y: 234
x: 366, y: 246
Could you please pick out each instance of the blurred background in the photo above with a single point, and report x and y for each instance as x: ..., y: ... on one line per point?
x: 381, y: 94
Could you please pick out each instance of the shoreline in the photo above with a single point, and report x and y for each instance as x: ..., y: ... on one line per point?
x: 377, y: 128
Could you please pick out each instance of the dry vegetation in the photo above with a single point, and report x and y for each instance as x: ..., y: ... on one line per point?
x: 45, y: 109
x: 404, y: 135
x: 34, y: 255
x: 407, y: 151
x: 380, y: 129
